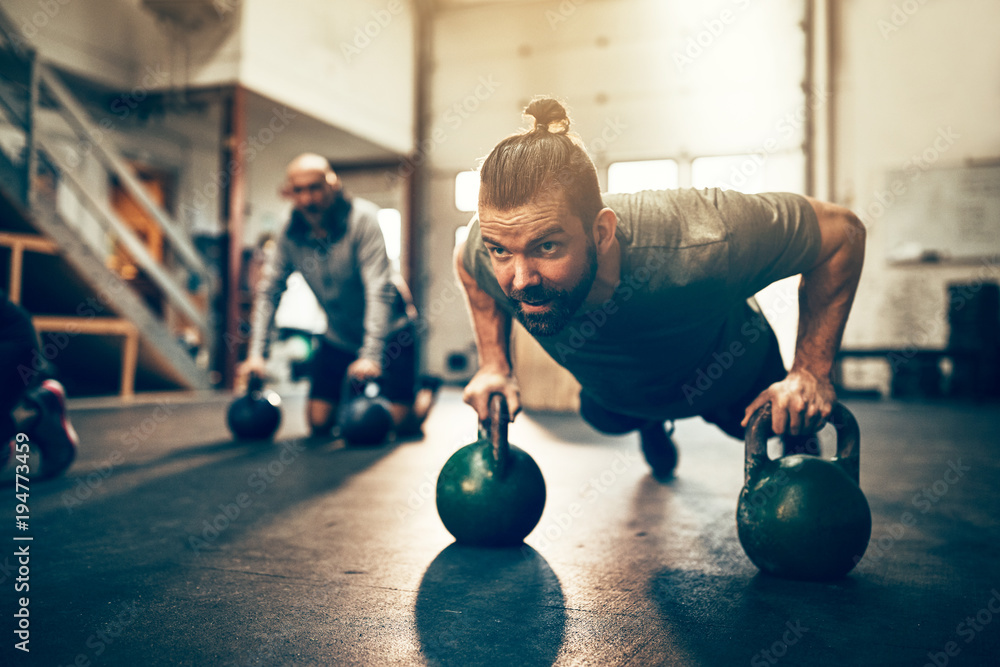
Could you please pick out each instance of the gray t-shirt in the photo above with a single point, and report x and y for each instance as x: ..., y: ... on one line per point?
x: 675, y: 340
x: 348, y: 271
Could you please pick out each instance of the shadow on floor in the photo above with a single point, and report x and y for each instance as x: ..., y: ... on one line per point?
x: 152, y: 526
x: 490, y: 606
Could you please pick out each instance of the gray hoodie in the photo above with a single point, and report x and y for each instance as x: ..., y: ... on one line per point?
x: 348, y: 271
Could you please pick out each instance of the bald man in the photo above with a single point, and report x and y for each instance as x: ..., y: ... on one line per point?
x: 336, y: 243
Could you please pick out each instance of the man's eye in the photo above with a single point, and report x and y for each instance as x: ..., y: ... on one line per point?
x: 499, y: 252
x: 548, y: 246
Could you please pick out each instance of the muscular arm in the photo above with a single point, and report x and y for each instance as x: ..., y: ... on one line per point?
x: 826, y: 293
x: 491, y: 326
x: 827, y: 289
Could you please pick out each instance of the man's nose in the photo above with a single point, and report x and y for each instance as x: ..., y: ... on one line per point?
x: 525, y: 274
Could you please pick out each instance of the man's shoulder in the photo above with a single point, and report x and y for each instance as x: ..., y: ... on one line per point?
x: 680, y: 218
x: 364, y: 209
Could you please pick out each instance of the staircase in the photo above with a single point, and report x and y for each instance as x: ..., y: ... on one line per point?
x: 114, y: 315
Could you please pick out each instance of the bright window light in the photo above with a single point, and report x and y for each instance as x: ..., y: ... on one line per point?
x: 744, y: 173
x: 461, y: 234
x: 467, y: 191
x: 391, y: 222
x: 642, y: 175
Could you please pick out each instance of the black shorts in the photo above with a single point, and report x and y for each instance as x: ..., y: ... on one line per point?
x: 399, y: 369
x: 727, y: 418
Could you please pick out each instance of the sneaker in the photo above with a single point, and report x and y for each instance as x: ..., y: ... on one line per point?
x: 659, y: 448
x: 52, y: 432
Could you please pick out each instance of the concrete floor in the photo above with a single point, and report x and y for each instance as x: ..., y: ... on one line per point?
x: 167, y: 544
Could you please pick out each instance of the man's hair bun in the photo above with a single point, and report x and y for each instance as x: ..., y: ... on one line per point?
x: 549, y: 115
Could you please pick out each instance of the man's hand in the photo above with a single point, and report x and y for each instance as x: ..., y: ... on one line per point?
x: 801, y: 401
x: 487, y: 382
x: 363, y: 370
x: 252, y: 366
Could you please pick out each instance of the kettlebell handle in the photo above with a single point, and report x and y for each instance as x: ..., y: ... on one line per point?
x: 255, y: 383
x: 843, y: 421
x: 495, y: 430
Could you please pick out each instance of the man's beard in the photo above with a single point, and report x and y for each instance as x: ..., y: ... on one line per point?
x: 563, y: 304
x: 335, y: 207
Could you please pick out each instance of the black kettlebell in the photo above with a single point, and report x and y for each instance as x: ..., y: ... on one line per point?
x: 257, y: 414
x: 491, y: 493
x: 801, y: 516
x: 365, y: 419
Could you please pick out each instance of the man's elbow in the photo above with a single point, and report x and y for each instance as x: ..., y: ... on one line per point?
x: 854, y: 230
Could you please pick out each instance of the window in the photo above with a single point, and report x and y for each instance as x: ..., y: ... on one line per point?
x: 461, y: 233
x: 391, y: 222
x: 729, y: 172
x: 642, y: 175
x: 467, y: 191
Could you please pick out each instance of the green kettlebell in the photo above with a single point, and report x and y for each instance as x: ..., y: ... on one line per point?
x: 491, y: 493
x: 800, y: 516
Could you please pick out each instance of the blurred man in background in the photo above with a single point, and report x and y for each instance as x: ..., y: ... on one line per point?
x: 336, y: 243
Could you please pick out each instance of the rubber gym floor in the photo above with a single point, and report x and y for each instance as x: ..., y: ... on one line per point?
x: 169, y: 544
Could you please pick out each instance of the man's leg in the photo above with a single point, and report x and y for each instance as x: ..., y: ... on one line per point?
x: 410, y: 400
x: 17, y: 347
x: 30, y: 401
x: 328, y: 369
x: 657, y: 446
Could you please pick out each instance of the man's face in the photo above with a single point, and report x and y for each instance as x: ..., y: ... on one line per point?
x: 544, y: 261
x: 311, y: 194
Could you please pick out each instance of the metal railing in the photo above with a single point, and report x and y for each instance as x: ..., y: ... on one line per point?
x: 46, y: 90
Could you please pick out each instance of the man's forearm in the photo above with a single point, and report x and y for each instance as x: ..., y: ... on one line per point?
x: 825, y: 297
x: 266, y: 296
x: 261, y: 319
x: 490, y: 324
